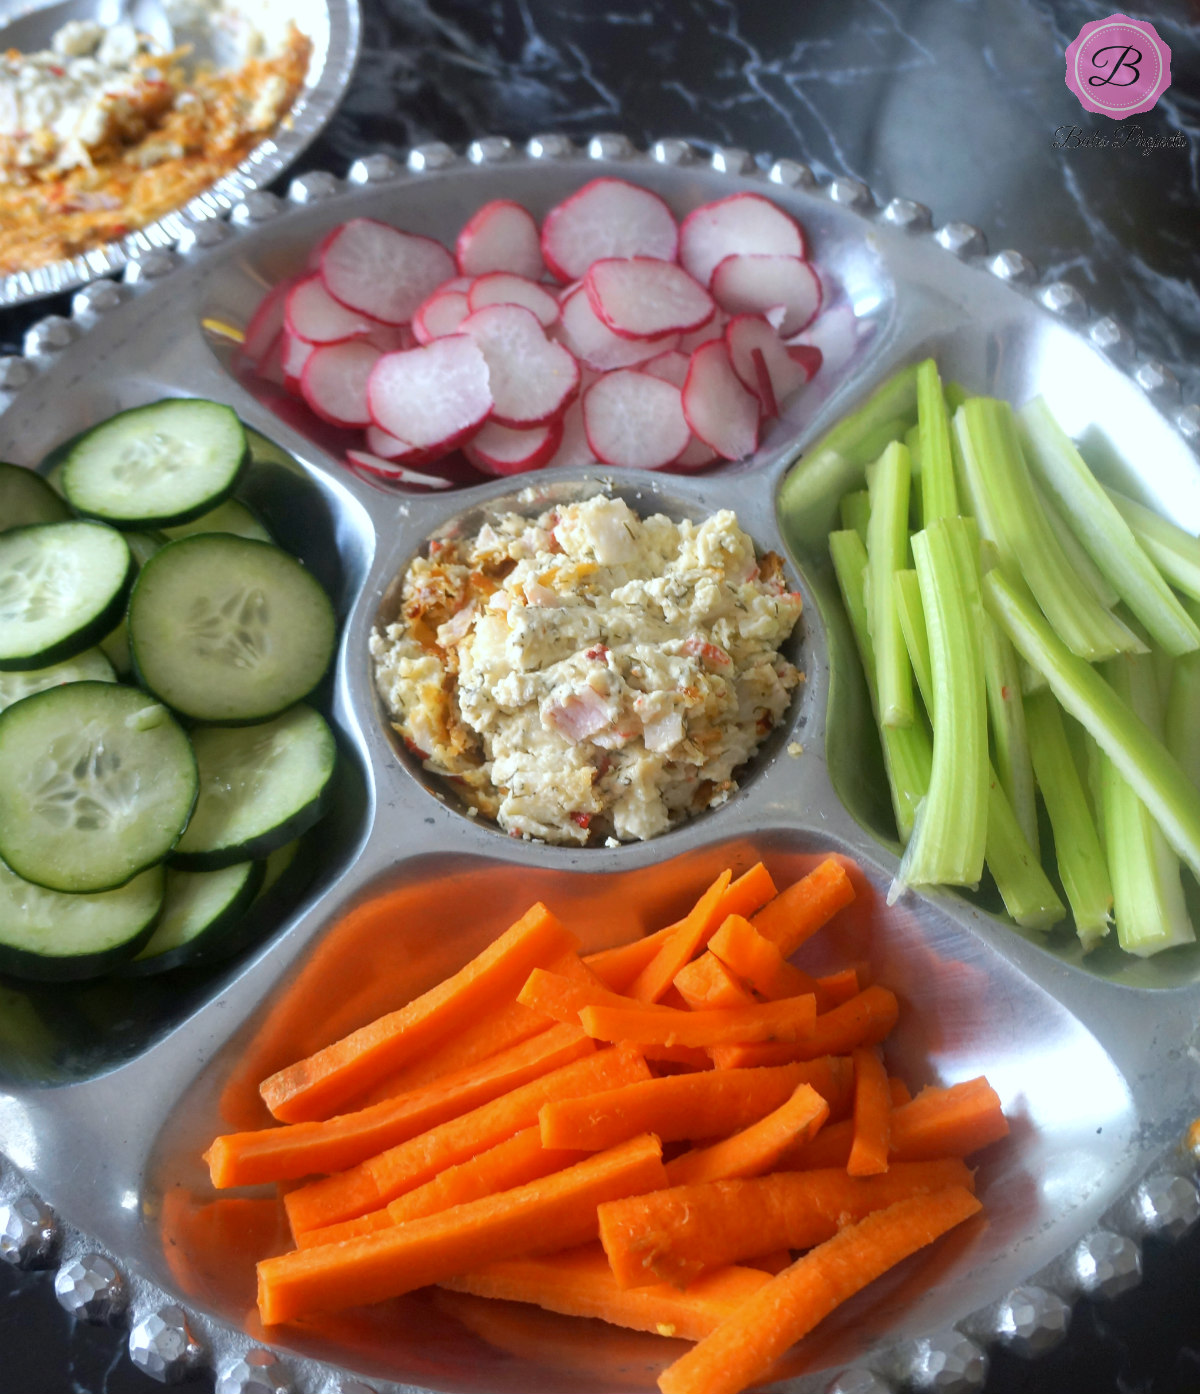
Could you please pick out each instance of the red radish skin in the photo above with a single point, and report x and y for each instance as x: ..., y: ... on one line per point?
x: 671, y: 366
x: 835, y: 333
x: 644, y: 298
x: 606, y: 218
x: 740, y: 224
x: 334, y: 382
x: 714, y: 329
x: 504, y: 288
x: 808, y: 358
x: 312, y: 314
x: 434, y: 396
x: 266, y: 324
x: 594, y: 343
x: 440, y: 315
x: 757, y: 284
x: 381, y: 271
x: 270, y: 365
x: 634, y: 420
x: 384, y: 469
x: 697, y: 456
x: 532, y: 379
x: 500, y: 450
x: 573, y: 449
x: 387, y: 446
x: 294, y: 354
x: 501, y: 236
x: 751, y: 340
x: 719, y: 408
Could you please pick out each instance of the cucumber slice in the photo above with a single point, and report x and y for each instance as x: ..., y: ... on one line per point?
x: 62, y: 588
x: 115, y: 643
x: 26, y: 498
x: 260, y: 786
x: 156, y: 466
x: 200, y: 909
x: 89, y: 666
x: 231, y: 516
x: 97, y: 782
x: 224, y: 629
x: 50, y: 936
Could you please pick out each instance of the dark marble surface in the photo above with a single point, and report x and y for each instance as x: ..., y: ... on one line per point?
x: 956, y: 103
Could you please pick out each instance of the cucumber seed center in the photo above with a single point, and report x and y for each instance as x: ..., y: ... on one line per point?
x: 232, y: 629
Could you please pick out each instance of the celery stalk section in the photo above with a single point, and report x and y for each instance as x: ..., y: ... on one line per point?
x: 887, y: 553
x: 1081, y: 863
x: 1183, y: 709
x: 854, y: 436
x: 1143, y: 759
x: 907, y: 752
x: 1171, y: 548
x: 855, y: 511
x: 939, y: 496
x: 1102, y: 530
x: 1077, y: 554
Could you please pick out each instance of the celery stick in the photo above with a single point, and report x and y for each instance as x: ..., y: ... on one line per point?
x: 1101, y: 529
x: 887, y: 552
x: 1183, y: 709
x: 1138, y: 754
x: 1171, y: 548
x: 907, y: 751
x: 855, y: 510
x: 893, y: 401
x: 1081, y: 864
x: 1002, y: 490
x: 1076, y: 552
x: 939, y: 497
x: 912, y: 438
x: 956, y: 394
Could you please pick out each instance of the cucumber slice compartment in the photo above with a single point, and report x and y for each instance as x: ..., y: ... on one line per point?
x: 89, y: 666
x: 200, y: 909
x: 158, y: 465
x: 226, y: 629
x: 26, y: 498
x: 260, y: 786
x: 62, y: 588
x: 97, y: 781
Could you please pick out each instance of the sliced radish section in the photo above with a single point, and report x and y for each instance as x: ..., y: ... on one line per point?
x: 270, y: 366
x: 697, y: 456
x: 752, y: 342
x: 606, y: 218
x: 385, y: 469
x: 266, y: 323
x: 634, y: 420
x: 590, y: 339
x: 497, y: 449
x: 504, y: 288
x: 381, y: 271
x: 644, y: 298
x: 742, y: 224
x: 757, y: 284
x: 719, y: 409
x: 383, y: 443
x: 432, y: 396
x: 502, y: 236
x: 531, y: 378
x: 808, y: 358
x: 334, y: 381
x: 714, y: 329
x: 835, y: 333
x: 671, y: 366
x: 387, y: 338
x: 294, y: 353
x: 573, y: 448
x: 312, y: 314
x: 440, y: 315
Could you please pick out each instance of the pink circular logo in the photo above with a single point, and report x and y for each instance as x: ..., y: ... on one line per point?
x: 1118, y: 66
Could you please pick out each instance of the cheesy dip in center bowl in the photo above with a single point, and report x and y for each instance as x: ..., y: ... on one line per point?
x: 589, y: 675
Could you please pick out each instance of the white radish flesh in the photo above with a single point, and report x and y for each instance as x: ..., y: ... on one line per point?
x: 504, y: 288
x: 401, y: 474
x: 697, y: 456
x: 501, y: 236
x: 440, y: 315
x: 594, y: 343
x: 606, y: 218
x: 294, y: 354
x: 433, y: 396
x: 381, y: 271
x: 835, y: 333
x: 757, y: 284
x: 719, y: 409
x: 312, y: 314
x: 497, y: 449
x: 531, y: 378
x: 634, y: 420
x: 383, y: 443
x: 266, y: 323
x: 334, y: 381
x: 643, y: 298
x: 714, y: 329
x: 573, y: 448
x: 671, y: 366
x: 752, y: 342
x: 740, y: 224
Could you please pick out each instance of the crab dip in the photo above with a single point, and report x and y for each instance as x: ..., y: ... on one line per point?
x: 589, y: 675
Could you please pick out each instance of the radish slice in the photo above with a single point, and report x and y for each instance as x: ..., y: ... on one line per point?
x: 440, y: 315
x: 314, y: 315
x: 742, y: 224
x: 294, y: 354
x: 334, y: 381
x: 503, y: 288
x: 502, y: 236
x: 400, y: 474
x: 671, y: 366
x: 697, y: 456
x: 606, y: 218
x: 835, y: 334
x: 270, y: 365
x: 383, y: 443
x: 590, y: 339
x: 433, y: 396
x: 266, y: 323
x: 714, y: 329
x: 381, y: 271
x: 808, y: 359
x: 531, y: 378
x: 643, y: 298
x: 752, y: 341
x: 497, y: 449
x: 573, y: 448
x: 719, y: 409
x: 634, y: 420
x: 757, y: 284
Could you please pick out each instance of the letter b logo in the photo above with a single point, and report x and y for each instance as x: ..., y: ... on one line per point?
x: 1118, y: 66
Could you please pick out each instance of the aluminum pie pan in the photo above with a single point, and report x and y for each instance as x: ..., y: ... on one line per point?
x: 334, y: 26
x: 1140, y: 1041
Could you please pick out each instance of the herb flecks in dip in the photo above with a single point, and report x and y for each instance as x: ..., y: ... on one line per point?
x: 590, y: 674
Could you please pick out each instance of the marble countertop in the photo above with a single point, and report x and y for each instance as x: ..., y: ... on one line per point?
x: 960, y: 104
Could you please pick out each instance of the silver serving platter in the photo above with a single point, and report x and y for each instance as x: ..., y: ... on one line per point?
x: 110, y: 1093
x: 334, y: 28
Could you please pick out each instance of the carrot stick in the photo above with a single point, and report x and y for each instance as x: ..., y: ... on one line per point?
x: 898, y: 1091
x: 756, y: 960
x: 872, y: 1114
x: 791, y: 1019
x: 774, y: 1262
x: 674, y: 1107
x: 303, y: 1149
x: 380, y: 1179
x: 835, y: 988
x: 554, y: 1212
x: 579, y: 1283
x: 693, y: 933
x: 323, y: 1082
x: 805, y: 907
x: 756, y: 1148
x: 562, y: 999
x: 864, y: 1020
x: 674, y: 1235
x: 706, y: 983
x: 370, y: 1223
x: 743, y: 1348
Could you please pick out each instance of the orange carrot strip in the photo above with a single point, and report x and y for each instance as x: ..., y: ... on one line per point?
x: 864, y: 1020
x: 757, y: 1148
x: 562, y: 998
x: 316, y: 1086
x: 872, y: 1114
x: 835, y: 988
x: 706, y: 983
x: 950, y: 1122
x: 551, y: 1213
x: 805, y: 907
x: 755, y: 959
x: 898, y: 1091
x: 377, y: 1180
x: 579, y: 1283
x: 832, y: 1076
x: 673, y: 1235
x: 303, y: 1149
x: 617, y: 967
x: 774, y: 1262
x: 370, y: 1223
x: 742, y: 1350
x: 791, y: 1019
x: 693, y: 933
x: 674, y: 1107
